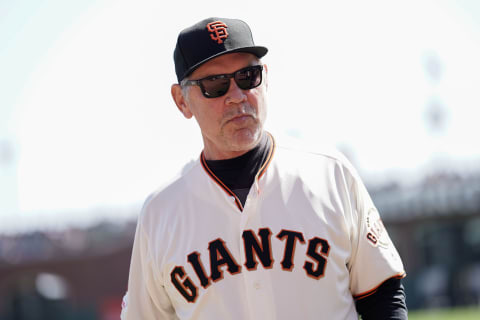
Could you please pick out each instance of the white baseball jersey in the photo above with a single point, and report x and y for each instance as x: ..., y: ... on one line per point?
x: 308, y: 242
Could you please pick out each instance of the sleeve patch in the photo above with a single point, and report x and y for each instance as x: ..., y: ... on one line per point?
x: 377, y: 235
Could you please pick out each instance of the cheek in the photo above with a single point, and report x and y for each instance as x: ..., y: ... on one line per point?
x: 259, y: 101
x: 207, y: 117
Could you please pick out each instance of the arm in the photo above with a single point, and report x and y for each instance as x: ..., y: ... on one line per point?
x: 387, y: 303
x: 146, y: 297
x: 375, y: 266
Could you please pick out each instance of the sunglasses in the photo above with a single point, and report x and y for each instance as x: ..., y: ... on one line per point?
x: 217, y: 85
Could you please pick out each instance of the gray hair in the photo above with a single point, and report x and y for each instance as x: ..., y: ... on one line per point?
x: 185, y: 88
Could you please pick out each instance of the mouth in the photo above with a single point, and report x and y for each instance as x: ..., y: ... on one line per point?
x: 240, y: 118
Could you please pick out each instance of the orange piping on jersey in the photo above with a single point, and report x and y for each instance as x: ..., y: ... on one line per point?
x: 269, y: 158
x: 220, y: 183
x: 372, y: 291
x: 260, y: 173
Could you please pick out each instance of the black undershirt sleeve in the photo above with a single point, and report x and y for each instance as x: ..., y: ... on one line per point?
x: 387, y: 303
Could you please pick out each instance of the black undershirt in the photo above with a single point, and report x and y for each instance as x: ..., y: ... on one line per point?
x: 388, y: 302
x: 238, y: 174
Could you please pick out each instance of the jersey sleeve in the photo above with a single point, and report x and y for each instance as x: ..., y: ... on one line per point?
x: 146, y: 297
x: 374, y: 257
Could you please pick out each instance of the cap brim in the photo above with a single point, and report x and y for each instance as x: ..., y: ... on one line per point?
x: 258, y: 51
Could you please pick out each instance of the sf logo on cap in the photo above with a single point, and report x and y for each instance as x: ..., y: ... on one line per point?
x: 218, y: 31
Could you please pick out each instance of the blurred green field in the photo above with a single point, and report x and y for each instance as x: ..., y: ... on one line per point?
x: 446, y: 314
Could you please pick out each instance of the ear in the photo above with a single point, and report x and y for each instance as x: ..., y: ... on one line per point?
x: 180, y: 101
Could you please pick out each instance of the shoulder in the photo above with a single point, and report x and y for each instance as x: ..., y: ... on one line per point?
x: 307, y: 156
x: 169, y: 195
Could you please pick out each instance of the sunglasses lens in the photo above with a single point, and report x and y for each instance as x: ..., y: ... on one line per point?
x: 248, y: 78
x: 213, y: 88
x: 217, y: 86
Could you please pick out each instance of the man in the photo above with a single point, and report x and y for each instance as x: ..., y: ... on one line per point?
x: 253, y: 230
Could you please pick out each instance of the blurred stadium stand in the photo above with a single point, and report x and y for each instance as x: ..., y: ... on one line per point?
x: 436, y: 228
x: 82, y: 274
x: 74, y: 274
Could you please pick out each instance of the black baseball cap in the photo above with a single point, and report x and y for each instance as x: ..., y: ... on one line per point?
x: 209, y: 39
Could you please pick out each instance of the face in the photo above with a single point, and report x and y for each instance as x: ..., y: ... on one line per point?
x: 231, y: 124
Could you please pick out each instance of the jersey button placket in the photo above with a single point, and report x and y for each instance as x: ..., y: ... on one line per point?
x: 246, y: 274
x: 258, y: 298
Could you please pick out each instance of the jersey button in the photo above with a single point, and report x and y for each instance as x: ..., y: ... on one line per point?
x: 257, y: 285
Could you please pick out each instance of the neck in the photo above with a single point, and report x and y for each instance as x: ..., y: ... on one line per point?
x: 216, y: 154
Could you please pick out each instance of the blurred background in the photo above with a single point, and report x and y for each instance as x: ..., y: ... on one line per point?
x: 88, y: 129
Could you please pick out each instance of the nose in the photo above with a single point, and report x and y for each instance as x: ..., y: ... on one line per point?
x: 235, y: 94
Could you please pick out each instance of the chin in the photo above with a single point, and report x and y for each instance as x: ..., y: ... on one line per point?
x: 246, y: 139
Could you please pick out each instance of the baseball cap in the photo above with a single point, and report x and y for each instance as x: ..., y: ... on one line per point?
x: 209, y: 39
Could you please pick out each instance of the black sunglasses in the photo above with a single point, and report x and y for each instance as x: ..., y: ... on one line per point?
x: 217, y: 85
